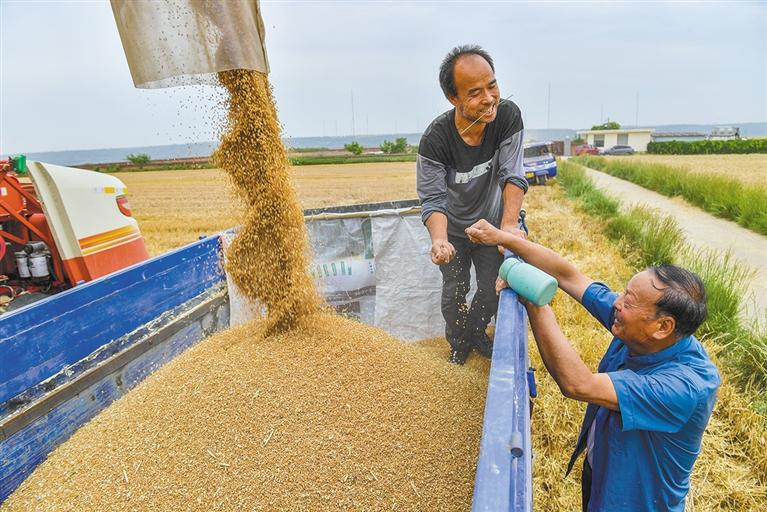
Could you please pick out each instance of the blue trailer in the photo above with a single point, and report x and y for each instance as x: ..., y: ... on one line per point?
x: 67, y: 357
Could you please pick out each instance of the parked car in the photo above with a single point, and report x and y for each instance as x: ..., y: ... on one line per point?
x: 619, y: 150
x: 539, y: 162
x: 586, y: 149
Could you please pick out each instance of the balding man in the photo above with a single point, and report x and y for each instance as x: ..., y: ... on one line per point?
x: 653, y: 393
x: 469, y: 167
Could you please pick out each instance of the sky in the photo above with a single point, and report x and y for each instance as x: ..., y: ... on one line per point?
x: 65, y: 83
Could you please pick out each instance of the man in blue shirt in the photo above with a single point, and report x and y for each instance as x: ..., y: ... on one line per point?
x: 655, y: 388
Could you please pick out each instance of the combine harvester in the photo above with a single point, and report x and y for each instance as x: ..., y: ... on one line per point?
x: 61, y: 227
x: 67, y: 356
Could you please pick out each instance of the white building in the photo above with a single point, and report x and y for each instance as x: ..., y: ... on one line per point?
x: 725, y: 133
x: 637, y: 138
x: 678, y: 136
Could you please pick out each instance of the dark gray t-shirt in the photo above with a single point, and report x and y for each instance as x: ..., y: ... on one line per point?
x: 465, y: 182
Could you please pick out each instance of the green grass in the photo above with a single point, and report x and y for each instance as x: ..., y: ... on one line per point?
x: 725, y: 280
x: 294, y: 160
x: 149, y: 167
x: 744, y: 346
x: 648, y: 239
x: 307, y: 150
x: 332, y: 160
x: 651, y: 240
x: 723, y: 197
x: 708, y: 147
x: 578, y: 185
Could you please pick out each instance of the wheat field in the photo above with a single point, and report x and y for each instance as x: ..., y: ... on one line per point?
x: 748, y: 169
x: 174, y: 208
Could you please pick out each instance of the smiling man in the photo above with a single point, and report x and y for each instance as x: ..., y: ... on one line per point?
x: 655, y: 388
x: 469, y: 167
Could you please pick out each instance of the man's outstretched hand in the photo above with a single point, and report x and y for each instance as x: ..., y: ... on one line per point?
x: 442, y: 252
x: 482, y: 232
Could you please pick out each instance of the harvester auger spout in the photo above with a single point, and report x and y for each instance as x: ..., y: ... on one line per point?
x: 186, y: 42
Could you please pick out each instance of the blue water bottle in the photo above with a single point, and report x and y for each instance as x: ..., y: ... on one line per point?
x: 528, y: 281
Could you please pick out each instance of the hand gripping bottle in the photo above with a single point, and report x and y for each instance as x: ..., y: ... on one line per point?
x: 528, y: 281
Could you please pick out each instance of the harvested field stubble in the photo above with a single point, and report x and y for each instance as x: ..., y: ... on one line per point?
x: 173, y: 208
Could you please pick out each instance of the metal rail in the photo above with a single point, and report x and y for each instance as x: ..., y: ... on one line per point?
x: 504, y: 469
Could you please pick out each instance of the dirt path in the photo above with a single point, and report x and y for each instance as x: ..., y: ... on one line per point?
x: 702, y: 230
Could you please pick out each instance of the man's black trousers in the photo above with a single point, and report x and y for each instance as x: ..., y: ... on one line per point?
x: 463, y: 323
x: 586, y: 485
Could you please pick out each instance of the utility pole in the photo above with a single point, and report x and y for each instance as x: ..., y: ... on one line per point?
x: 548, y: 109
x: 353, y: 134
x: 636, y: 118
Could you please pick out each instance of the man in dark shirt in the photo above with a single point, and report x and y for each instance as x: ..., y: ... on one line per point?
x: 469, y: 167
x: 655, y: 388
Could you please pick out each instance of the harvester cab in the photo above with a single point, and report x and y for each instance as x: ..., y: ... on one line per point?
x: 60, y: 227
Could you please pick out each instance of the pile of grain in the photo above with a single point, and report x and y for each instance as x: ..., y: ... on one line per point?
x: 334, y: 415
x: 268, y: 258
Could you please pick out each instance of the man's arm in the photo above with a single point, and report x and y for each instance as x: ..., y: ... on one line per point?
x: 570, y: 279
x: 432, y: 191
x: 511, y: 172
x: 512, y: 204
x: 571, y: 374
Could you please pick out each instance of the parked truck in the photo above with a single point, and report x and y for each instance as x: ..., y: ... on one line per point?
x: 68, y: 356
x: 539, y: 162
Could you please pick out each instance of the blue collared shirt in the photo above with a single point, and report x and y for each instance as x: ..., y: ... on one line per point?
x: 644, y: 453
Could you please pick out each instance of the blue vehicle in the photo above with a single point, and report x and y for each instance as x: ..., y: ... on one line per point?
x: 539, y: 162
